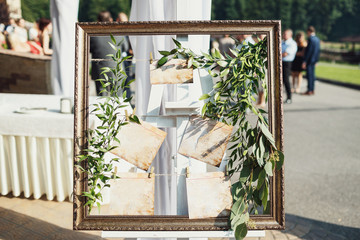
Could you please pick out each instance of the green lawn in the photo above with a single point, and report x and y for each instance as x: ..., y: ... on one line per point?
x: 338, y: 72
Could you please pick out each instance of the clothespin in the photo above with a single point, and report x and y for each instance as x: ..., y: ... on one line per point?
x: 134, y: 111
x: 152, y: 174
x: 126, y: 115
x: 187, y: 172
x: 151, y: 58
x: 114, y: 173
x: 226, y: 170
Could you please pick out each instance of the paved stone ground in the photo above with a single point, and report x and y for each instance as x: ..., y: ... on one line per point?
x: 322, y: 141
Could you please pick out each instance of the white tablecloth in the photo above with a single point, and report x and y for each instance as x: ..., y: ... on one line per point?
x: 36, y: 149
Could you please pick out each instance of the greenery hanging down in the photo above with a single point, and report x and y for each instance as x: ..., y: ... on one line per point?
x: 100, y: 140
x: 253, y: 151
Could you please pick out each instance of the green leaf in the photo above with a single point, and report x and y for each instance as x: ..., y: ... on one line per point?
x: 190, y: 62
x: 203, y: 109
x: 244, y: 174
x: 240, y: 231
x: 261, y: 179
x: 222, y: 63
x: 164, y: 53
x: 259, y: 159
x: 162, y: 61
x: 113, y: 39
x: 204, y: 96
x: 134, y: 119
x: 268, y: 168
x: 173, y: 51
x: 195, y: 64
x: 267, y: 134
x: 238, y: 207
x: 105, y: 69
x: 218, y: 85
x: 264, y: 197
x: 207, y: 56
x: 244, y: 218
x: 112, y: 46
x: 217, y: 54
x: 89, y: 195
x: 178, y: 44
x: 280, y: 163
x: 245, y: 152
x: 224, y: 72
x: 256, y: 197
x: 212, y: 73
x: 262, y: 147
x: 217, y: 96
x: 234, y: 52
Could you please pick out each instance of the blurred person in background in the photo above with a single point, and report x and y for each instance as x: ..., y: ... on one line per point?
x: 311, y: 57
x: 34, y: 40
x: 289, y: 49
x: 122, y: 17
x: 225, y: 44
x: 45, y: 30
x: 34, y: 31
x: 296, y: 67
x: 17, y: 44
x: 244, y: 39
x: 20, y: 30
x: 10, y: 27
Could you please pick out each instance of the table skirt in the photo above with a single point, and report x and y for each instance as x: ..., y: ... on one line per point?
x: 36, y: 166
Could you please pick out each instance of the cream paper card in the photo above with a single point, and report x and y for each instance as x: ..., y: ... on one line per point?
x: 208, y: 195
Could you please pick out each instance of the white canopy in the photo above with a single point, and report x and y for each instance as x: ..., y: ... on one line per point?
x: 63, y: 17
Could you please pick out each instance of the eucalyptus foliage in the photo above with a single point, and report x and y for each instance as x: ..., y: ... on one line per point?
x: 100, y: 139
x: 253, y: 151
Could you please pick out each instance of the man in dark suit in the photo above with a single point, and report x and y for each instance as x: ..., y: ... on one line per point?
x: 311, y: 57
x: 99, y: 48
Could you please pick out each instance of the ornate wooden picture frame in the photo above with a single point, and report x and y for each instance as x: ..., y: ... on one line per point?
x: 81, y: 219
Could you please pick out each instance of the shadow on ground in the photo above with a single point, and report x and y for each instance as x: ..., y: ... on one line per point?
x: 325, y: 109
x: 14, y: 225
x: 305, y: 228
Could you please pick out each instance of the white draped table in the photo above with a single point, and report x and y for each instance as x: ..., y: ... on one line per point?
x: 36, y: 147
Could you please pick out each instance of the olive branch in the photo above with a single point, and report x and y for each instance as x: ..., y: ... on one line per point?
x: 99, y: 140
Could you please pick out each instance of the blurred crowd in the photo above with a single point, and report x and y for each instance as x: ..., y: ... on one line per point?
x: 22, y: 36
x: 299, y: 55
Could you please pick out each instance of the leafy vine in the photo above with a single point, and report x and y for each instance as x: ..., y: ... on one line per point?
x: 100, y: 139
x: 253, y: 151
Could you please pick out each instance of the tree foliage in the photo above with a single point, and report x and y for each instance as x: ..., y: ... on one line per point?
x: 88, y: 9
x: 331, y: 18
x: 33, y: 10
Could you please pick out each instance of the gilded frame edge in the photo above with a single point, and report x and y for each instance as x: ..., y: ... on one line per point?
x: 272, y: 28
